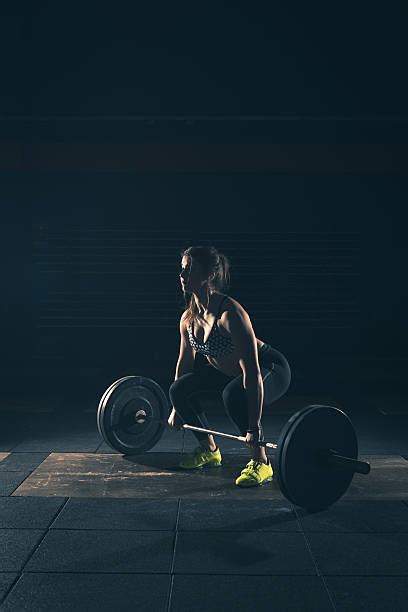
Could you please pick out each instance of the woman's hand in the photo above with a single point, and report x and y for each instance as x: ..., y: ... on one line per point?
x: 254, y: 436
x: 174, y: 421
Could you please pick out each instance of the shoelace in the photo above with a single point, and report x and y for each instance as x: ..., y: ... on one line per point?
x: 252, y: 464
x: 250, y: 467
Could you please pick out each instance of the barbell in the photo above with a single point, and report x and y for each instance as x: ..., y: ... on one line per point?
x: 314, y: 459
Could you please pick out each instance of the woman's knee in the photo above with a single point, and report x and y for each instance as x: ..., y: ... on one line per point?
x: 179, y: 386
x: 182, y: 390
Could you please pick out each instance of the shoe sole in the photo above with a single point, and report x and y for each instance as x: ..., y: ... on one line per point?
x: 200, y: 467
x: 255, y: 484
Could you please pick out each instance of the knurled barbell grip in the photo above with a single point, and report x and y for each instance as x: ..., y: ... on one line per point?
x: 224, y: 435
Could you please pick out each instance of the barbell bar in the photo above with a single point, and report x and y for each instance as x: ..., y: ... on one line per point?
x: 315, y: 457
x: 362, y: 467
x: 329, y: 455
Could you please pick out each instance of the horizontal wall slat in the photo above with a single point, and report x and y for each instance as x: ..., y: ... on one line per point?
x: 167, y: 158
x: 84, y: 282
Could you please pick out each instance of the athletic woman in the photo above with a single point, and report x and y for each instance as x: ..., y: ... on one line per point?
x: 244, y: 370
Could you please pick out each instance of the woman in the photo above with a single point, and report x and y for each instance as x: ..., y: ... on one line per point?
x: 247, y: 372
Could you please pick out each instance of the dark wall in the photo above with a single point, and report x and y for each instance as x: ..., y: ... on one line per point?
x: 128, y: 133
x: 130, y: 58
x: 91, y: 274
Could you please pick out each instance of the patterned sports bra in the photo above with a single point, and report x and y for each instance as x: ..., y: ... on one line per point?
x: 216, y: 344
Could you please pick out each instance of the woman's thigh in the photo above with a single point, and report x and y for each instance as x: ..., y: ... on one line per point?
x: 275, y: 379
x: 206, y: 379
x: 276, y: 382
x: 276, y: 373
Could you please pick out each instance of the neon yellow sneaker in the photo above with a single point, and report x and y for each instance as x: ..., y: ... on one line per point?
x: 201, y: 457
x: 255, y: 473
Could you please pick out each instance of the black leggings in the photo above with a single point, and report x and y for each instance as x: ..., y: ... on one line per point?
x: 185, y: 392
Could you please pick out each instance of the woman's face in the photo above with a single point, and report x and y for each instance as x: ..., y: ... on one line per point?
x: 191, y: 276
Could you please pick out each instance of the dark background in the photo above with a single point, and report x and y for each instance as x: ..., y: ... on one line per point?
x: 277, y: 134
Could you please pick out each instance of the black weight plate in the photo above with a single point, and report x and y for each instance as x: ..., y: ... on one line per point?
x: 131, y: 414
x: 304, y: 477
x: 99, y: 419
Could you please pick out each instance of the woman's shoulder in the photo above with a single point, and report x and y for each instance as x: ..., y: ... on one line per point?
x: 230, y: 301
x: 185, y: 318
x: 229, y: 304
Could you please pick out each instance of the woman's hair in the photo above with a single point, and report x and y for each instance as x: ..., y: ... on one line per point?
x: 212, y: 262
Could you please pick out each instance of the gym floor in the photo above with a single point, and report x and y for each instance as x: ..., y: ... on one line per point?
x: 83, y: 527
